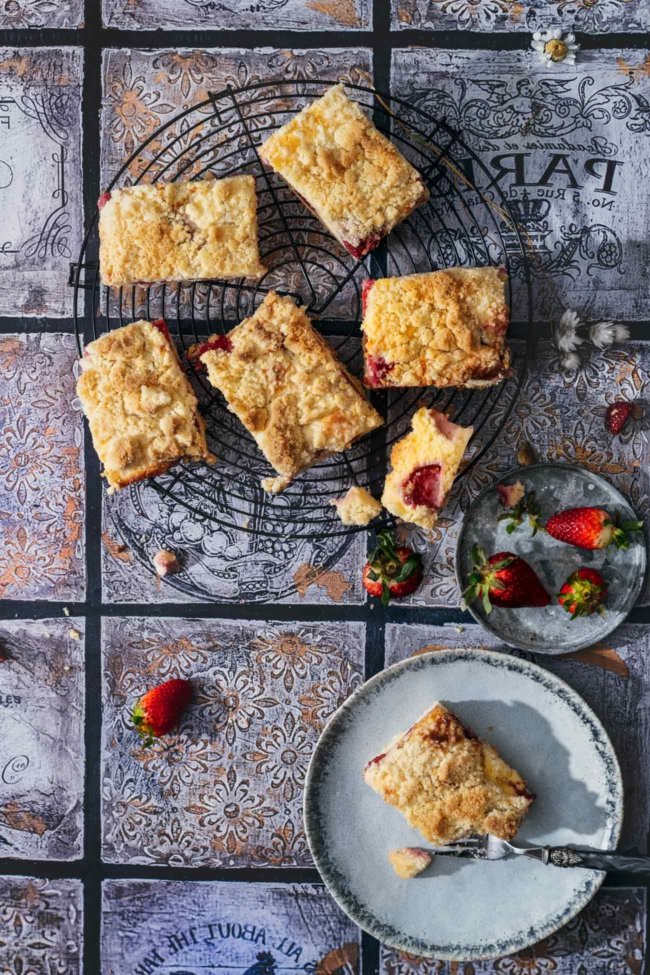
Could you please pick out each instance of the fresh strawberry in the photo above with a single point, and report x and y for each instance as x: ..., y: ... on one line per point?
x: 160, y: 709
x: 518, y: 505
x: 583, y: 593
x: 504, y: 580
x: 619, y: 412
x: 391, y: 571
x: 591, y: 528
x: 103, y: 200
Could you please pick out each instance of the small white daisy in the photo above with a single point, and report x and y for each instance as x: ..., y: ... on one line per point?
x: 566, y: 332
x: 621, y: 333
x: 602, y: 334
x: 571, y: 362
x: 553, y: 46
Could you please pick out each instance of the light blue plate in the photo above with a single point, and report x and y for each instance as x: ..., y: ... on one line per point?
x: 464, y: 909
x: 550, y: 629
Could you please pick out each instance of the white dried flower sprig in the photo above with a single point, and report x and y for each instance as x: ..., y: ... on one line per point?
x: 555, y: 47
x: 603, y: 334
x: 568, y: 340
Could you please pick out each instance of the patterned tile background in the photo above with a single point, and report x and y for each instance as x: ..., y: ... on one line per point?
x: 40, y: 185
x: 41, y: 730
x: 258, y: 929
x: 41, y: 929
x: 41, y: 13
x: 233, y: 14
x: 228, y: 789
x: 41, y: 470
x: 590, y: 16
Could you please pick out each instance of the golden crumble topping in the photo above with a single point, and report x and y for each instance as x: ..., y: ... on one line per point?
x: 443, y: 328
x: 352, y: 176
x: 357, y: 507
x: 425, y: 463
x: 141, y: 410
x: 282, y: 380
x: 448, y: 783
x: 409, y: 861
x: 180, y: 231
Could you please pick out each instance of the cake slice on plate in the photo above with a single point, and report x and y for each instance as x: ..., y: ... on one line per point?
x: 425, y: 463
x: 442, y: 328
x: 349, y: 174
x: 448, y: 783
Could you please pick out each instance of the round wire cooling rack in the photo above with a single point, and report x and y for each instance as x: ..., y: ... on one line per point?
x: 467, y: 221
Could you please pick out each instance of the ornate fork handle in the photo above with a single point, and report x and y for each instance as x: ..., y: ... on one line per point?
x: 567, y: 856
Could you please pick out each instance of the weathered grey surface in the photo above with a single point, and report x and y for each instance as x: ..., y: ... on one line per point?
x: 41, y: 13
x: 228, y: 788
x: 41, y: 926
x: 233, y: 14
x: 255, y: 928
x: 620, y: 702
x: 607, y: 938
x: 590, y: 16
x: 562, y: 416
x: 40, y: 178
x: 42, y: 529
x: 41, y: 730
x: 568, y: 146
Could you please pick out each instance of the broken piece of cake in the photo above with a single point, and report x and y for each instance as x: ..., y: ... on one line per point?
x: 142, y: 412
x: 349, y: 174
x: 425, y: 463
x: 442, y: 328
x: 183, y: 231
x: 447, y: 783
x: 356, y: 507
x: 283, y: 381
x: 409, y: 861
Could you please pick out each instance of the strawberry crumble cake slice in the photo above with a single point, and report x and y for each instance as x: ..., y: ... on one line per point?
x: 442, y: 328
x: 425, y: 463
x: 183, y: 231
x: 349, y: 174
x: 283, y: 381
x: 447, y: 783
x: 142, y: 411
x: 356, y: 507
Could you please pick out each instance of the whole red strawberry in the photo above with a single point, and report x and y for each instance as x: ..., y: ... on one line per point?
x: 583, y: 593
x: 160, y: 709
x: 504, y: 580
x: 392, y: 571
x: 591, y: 528
x: 618, y: 414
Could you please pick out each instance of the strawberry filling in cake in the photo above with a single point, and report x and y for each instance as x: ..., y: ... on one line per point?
x: 424, y: 487
x: 376, y: 371
x: 216, y: 343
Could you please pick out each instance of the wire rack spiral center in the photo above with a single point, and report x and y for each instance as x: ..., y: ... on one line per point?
x: 466, y: 221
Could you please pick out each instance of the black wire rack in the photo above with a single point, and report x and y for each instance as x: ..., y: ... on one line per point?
x: 467, y: 221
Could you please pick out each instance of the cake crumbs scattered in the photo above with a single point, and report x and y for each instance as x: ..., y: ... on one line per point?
x: 66, y: 611
x: 74, y: 634
x: 166, y: 563
x: 459, y: 629
x: 409, y: 861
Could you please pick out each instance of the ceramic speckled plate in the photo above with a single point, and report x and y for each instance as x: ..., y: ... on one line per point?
x: 551, y: 630
x: 464, y: 909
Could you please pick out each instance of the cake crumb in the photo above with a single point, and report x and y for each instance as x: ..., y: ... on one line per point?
x: 356, y: 507
x: 166, y: 563
x: 74, y: 634
x: 409, y: 861
x: 66, y: 611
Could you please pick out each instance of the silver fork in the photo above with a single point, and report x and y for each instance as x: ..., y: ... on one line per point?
x: 488, y: 847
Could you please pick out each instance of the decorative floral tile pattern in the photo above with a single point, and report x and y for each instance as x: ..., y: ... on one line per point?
x: 620, y: 698
x: 590, y: 16
x: 41, y: 470
x: 42, y: 734
x: 258, y: 929
x: 563, y: 417
x: 41, y: 13
x: 567, y: 146
x: 41, y: 924
x: 40, y: 177
x: 228, y: 789
x: 607, y: 938
x: 242, y: 14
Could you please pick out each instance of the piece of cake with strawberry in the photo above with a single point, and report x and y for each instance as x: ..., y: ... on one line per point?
x: 441, y: 328
x: 424, y: 465
x: 447, y: 783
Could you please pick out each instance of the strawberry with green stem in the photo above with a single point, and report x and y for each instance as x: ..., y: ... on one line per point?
x: 591, y: 528
x: 584, y: 593
x: 504, y: 579
x: 159, y: 711
x: 519, y: 504
x: 392, y: 571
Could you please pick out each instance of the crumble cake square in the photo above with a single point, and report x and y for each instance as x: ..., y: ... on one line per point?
x: 182, y: 231
x: 424, y: 465
x: 349, y: 174
x: 282, y: 380
x: 142, y: 412
x: 447, y: 783
x: 442, y: 328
